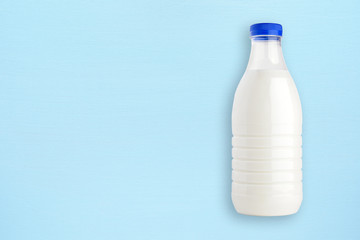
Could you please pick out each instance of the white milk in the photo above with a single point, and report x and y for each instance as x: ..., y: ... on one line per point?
x: 266, y: 125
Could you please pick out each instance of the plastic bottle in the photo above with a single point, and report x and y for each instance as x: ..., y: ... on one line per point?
x: 266, y: 126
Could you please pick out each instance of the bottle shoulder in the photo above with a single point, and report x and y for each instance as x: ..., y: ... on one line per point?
x: 267, y: 98
x: 267, y: 82
x: 267, y: 74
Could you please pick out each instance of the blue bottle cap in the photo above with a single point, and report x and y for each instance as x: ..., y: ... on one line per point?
x: 273, y: 29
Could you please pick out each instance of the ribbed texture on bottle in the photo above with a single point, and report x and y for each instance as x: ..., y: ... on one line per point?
x: 267, y: 165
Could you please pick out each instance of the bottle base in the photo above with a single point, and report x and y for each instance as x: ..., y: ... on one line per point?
x: 269, y: 206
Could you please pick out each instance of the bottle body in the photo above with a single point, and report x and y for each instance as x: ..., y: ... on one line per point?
x: 267, y: 127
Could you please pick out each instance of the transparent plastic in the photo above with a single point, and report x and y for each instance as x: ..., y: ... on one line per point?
x: 267, y: 127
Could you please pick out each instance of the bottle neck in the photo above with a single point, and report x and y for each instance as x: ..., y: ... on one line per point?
x: 266, y: 54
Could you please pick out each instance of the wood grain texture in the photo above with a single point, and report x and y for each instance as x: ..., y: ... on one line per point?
x: 115, y: 117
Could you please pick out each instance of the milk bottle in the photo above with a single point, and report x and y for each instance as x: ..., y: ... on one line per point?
x: 266, y: 127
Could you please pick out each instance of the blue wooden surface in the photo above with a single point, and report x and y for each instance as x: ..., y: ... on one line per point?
x: 115, y: 118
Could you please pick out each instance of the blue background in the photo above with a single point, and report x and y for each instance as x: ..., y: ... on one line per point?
x: 115, y: 118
